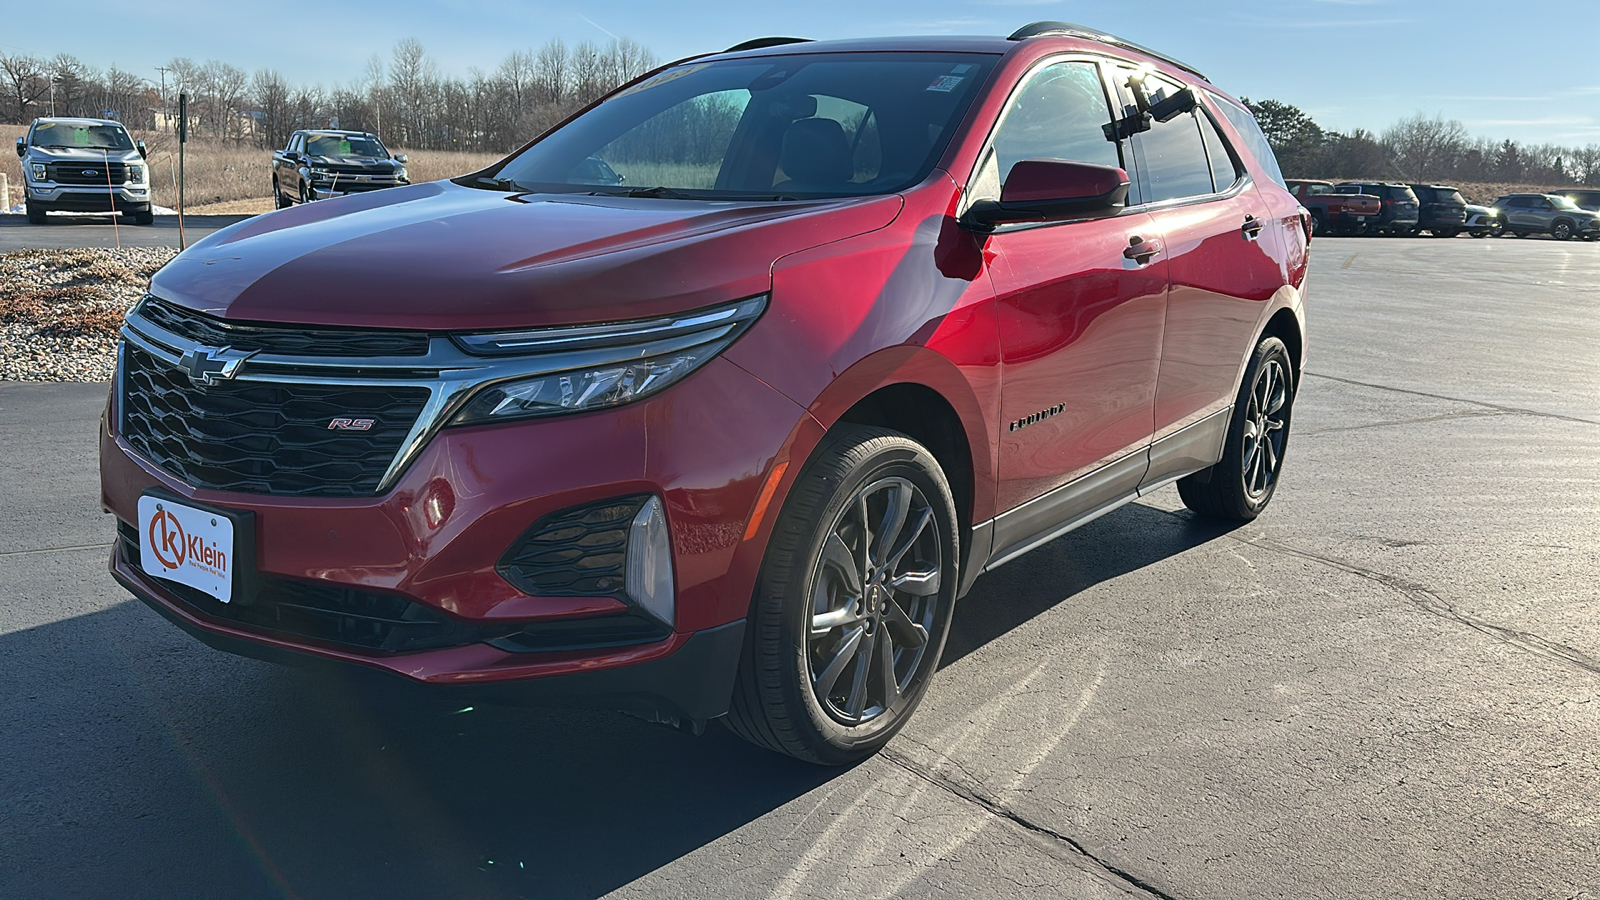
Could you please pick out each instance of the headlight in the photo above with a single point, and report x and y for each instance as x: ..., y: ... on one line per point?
x: 39, y: 173
x: 592, y: 367
x: 135, y: 173
x: 400, y: 174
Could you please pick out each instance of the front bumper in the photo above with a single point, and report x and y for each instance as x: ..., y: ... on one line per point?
x: 685, y: 679
x: 491, y: 483
x: 89, y: 199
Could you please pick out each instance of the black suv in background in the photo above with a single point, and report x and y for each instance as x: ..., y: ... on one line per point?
x: 1400, y: 208
x: 1443, y: 210
x: 1585, y: 199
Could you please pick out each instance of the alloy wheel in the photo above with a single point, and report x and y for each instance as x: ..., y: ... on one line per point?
x: 874, y: 602
x: 1264, y: 432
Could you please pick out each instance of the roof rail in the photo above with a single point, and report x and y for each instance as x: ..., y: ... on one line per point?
x: 764, y: 42
x: 1068, y: 29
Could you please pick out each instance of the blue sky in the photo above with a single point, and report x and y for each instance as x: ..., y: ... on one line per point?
x: 1350, y: 63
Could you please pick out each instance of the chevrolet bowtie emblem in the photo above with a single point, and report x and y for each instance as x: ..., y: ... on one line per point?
x: 206, y: 366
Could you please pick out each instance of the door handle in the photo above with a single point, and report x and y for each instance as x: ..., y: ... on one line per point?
x: 1251, y: 228
x: 1141, y: 249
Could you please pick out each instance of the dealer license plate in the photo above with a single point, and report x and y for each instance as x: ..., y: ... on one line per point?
x: 187, y: 545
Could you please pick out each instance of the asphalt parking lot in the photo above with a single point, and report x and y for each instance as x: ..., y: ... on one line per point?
x: 1386, y: 687
x: 60, y: 232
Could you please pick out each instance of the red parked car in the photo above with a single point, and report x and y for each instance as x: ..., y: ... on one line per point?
x: 729, y: 435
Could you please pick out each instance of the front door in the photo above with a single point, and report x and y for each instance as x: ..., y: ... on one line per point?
x: 1080, y: 319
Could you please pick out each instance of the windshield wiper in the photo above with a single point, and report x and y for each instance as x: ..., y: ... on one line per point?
x: 664, y: 193
x: 499, y: 184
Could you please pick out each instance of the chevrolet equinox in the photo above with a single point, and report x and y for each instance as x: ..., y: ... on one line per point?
x: 711, y: 401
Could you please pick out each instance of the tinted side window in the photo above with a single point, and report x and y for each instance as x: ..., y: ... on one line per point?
x: 1172, y: 154
x: 1060, y: 112
x: 1223, y: 171
x: 1255, y: 140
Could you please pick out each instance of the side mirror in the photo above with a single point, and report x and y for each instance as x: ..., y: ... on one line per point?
x: 291, y: 156
x: 142, y: 151
x: 1051, y: 190
x: 22, y: 147
x: 401, y: 158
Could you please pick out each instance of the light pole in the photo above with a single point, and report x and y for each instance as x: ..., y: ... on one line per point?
x: 163, y: 70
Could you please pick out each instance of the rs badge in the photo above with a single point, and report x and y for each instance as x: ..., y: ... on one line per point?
x: 352, y: 424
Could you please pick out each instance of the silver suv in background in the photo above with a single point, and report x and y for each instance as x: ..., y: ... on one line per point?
x: 1558, y: 217
x: 84, y: 165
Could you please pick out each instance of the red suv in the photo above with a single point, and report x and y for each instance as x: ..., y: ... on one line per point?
x: 727, y: 432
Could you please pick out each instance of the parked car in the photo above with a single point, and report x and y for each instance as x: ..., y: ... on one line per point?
x: 1442, y: 211
x: 1400, y: 212
x: 1484, y: 221
x: 83, y: 165
x: 731, y: 441
x: 322, y: 163
x: 1333, y: 211
x: 1585, y: 199
x: 1558, y: 217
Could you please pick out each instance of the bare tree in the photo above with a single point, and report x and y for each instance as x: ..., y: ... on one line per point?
x: 1424, y: 148
x: 25, y: 83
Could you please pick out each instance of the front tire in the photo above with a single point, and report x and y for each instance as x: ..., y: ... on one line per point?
x: 1445, y: 232
x: 1561, y: 230
x: 853, y: 604
x: 35, y: 213
x: 1241, y: 485
x: 305, y: 194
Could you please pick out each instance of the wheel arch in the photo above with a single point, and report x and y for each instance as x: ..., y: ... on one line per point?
x: 1285, y: 326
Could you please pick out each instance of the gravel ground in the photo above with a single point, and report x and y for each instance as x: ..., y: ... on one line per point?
x: 60, y: 309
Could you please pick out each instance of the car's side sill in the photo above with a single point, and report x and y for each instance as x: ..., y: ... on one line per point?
x: 1081, y: 501
x: 1191, y: 448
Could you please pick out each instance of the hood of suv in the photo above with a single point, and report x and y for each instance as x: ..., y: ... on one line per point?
x: 441, y: 256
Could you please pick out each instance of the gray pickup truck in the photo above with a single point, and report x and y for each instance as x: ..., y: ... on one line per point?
x: 84, y: 165
x: 323, y: 163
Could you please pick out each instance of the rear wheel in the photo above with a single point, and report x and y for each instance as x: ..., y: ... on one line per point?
x: 279, y: 201
x: 1445, y: 232
x: 854, y: 601
x: 1241, y: 485
x: 1319, y: 226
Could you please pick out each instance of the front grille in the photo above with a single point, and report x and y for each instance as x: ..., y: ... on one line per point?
x: 577, y: 552
x: 285, y: 340
x: 88, y: 173
x: 346, y: 169
x: 368, y: 620
x: 263, y: 438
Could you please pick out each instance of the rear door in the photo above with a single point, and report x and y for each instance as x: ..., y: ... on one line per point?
x: 1080, y: 321
x: 1224, y: 264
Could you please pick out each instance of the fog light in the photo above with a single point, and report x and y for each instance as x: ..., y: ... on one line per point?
x: 649, y: 574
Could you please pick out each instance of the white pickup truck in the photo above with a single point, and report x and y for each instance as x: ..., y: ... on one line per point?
x: 84, y: 165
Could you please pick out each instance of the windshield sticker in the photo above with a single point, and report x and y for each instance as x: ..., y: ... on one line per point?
x: 666, y: 77
x: 944, y: 84
x: 962, y: 70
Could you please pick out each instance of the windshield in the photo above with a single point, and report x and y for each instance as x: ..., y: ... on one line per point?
x: 1564, y: 203
x: 824, y: 125
x: 81, y: 137
x: 336, y: 145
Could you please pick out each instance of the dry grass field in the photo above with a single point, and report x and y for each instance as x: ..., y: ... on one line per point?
x: 221, y: 172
